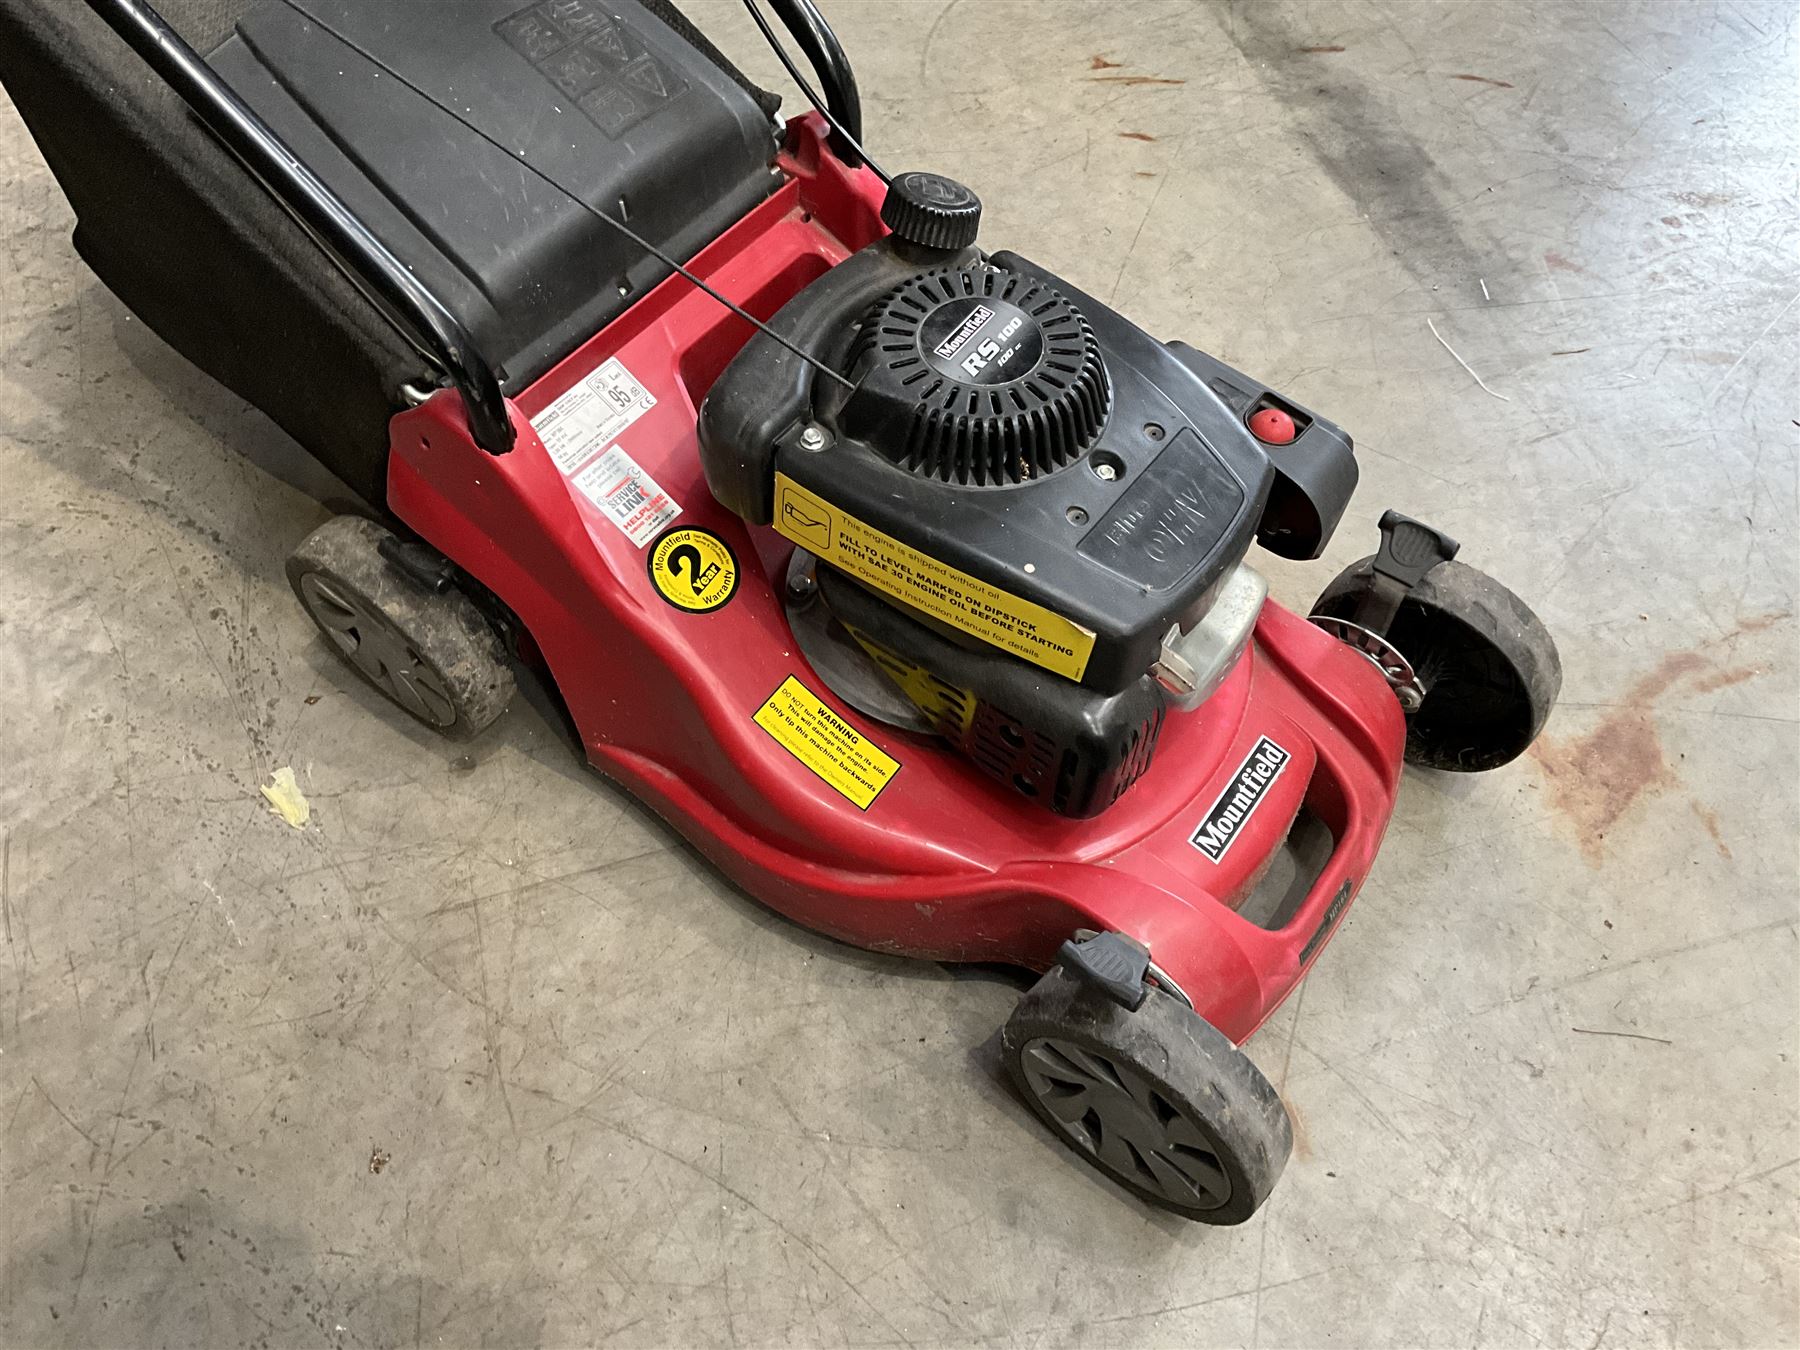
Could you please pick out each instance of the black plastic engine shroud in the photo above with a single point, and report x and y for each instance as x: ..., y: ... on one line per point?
x: 977, y: 376
x: 1153, y: 493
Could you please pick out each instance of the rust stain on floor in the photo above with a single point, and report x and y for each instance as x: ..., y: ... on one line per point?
x: 1483, y: 79
x: 1561, y: 264
x: 1133, y: 79
x: 1710, y: 819
x: 1594, y: 780
x: 1762, y: 623
x: 1724, y: 679
x: 1597, y: 778
x: 1136, y: 136
x: 1101, y: 63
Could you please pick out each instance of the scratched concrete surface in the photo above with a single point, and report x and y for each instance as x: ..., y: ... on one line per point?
x: 619, y: 1103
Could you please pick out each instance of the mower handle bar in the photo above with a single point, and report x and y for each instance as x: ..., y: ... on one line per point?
x: 406, y: 302
x: 837, y: 82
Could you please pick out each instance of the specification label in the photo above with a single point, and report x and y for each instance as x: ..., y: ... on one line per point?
x: 594, y: 412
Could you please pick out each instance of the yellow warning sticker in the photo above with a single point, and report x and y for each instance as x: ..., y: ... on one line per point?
x: 825, y: 743
x: 693, y: 569
x: 1010, y: 622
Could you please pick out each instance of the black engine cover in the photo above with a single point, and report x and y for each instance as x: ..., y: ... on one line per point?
x: 1017, y: 498
x: 1015, y: 462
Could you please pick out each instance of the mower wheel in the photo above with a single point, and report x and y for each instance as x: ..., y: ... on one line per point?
x: 431, y: 652
x: 1489, y: 668
x: 1158, y: 1099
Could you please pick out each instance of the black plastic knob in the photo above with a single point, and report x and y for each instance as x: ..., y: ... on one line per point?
x: 929, y: 209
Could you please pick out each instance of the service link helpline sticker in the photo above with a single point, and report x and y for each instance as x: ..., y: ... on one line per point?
x: 595, y: 411
x: 630, y: 497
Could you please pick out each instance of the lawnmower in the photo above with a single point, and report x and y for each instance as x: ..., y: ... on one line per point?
x: 906, y: 581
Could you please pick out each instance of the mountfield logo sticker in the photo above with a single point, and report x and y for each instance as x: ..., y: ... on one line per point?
x: 1219, y: 827
x: 965, y: 330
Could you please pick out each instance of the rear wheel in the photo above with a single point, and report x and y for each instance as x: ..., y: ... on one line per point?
x: 429, y: 652
x: 1158, y: 1099
x: 1488, y: 669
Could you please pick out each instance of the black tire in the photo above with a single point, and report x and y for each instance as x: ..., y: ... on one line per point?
x: 431, y: 654
x: 1158, y: 1099
x: 1490, y: 669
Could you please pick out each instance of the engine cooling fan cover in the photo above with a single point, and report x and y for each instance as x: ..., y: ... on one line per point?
x: 977, y: 376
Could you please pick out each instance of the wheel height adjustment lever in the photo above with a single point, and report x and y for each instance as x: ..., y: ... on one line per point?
x: 421, y: 562
x: 1111, y: 963
x: 1409, y: 549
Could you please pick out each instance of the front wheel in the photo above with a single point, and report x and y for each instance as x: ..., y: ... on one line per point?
x: 1158, y: 1099
x: 1488, y: 672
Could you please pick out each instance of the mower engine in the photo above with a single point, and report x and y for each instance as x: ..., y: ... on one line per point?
x: 1022, y: 521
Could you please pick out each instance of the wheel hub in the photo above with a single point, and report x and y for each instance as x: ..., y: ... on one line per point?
x: 1116, y: 1116
x: 370, y: 643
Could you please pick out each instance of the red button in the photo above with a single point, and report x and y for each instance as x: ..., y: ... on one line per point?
x: 1273, y: 427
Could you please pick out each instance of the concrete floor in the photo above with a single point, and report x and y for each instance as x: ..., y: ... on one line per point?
x: 1545, y: 1081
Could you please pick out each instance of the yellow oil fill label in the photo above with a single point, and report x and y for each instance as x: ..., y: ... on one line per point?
x: 825, y: 743
x: 1010, y: 622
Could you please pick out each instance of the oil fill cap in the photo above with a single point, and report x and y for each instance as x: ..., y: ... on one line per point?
x: 929, y: 209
